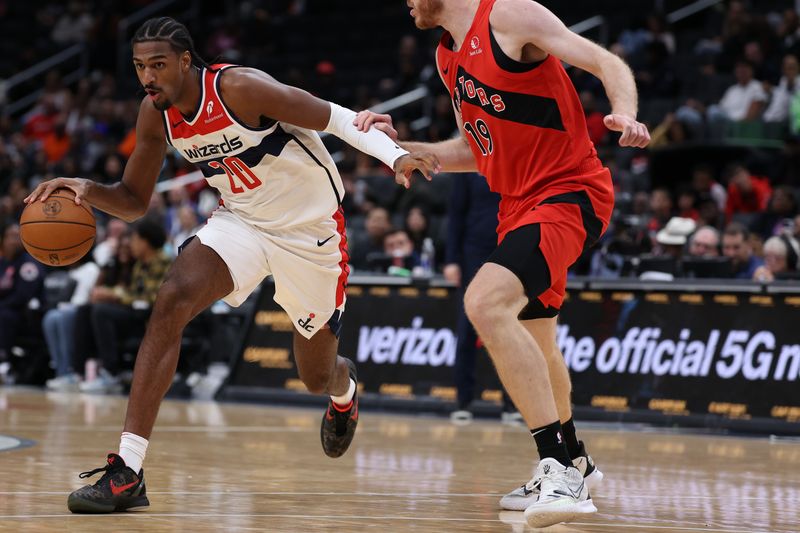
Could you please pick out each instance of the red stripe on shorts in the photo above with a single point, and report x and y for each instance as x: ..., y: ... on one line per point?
x: 338, y: 216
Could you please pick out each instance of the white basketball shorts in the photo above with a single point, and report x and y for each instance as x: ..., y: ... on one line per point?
x: 308, y: 264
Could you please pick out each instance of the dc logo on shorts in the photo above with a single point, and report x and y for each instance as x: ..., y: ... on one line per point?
x: 306, y: 324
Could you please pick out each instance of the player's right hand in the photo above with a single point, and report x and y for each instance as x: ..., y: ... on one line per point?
x: 366, y: 119
x: 425, y: 162
x: 79, y: 186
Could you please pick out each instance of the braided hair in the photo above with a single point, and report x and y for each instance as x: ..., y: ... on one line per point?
x: 171, y: 31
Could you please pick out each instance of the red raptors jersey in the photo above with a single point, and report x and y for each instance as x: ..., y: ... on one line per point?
x: 524, y: 123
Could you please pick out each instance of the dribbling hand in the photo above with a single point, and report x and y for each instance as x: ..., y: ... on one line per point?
x: 633, y: 133
x: 79, y: 186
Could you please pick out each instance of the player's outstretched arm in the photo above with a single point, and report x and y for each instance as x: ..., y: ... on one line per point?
x: 253, y: 95
x: 129, y: 198
x: 454, y: 155
x: 523, y: 22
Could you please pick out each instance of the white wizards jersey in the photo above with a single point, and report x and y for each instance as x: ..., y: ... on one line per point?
x: 275, y: 176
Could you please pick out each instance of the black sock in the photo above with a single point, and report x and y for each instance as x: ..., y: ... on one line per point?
x: 573, y: 446
x: 550, y: 442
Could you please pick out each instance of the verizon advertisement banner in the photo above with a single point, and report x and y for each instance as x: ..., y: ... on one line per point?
x: 733, y: 355
x: 736, y: 355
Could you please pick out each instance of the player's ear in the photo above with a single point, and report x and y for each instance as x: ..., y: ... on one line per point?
x: 186, y: 61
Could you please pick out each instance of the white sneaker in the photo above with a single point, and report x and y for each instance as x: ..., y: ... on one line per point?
x: 563, y: 495
x: 66, y: 383
x: 104, y: 383
x: 461, y: 417
x: 512, y: 418
x: 520, y: 498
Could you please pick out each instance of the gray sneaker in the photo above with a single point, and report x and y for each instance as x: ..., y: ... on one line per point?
x: 104, y: 383
x: 563, y: 495
x: 66, y: 383
x: 521, y: 498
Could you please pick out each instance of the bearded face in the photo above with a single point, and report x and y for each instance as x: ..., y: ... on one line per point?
x: 426, y: 13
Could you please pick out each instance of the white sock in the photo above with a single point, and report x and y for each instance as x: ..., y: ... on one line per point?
x: 132, y: 449
x: 345, y: 398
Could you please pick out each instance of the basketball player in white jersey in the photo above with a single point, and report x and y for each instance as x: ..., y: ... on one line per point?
x: 255, y: 140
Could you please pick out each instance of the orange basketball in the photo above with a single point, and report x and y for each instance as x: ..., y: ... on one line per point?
x: 57, y: 232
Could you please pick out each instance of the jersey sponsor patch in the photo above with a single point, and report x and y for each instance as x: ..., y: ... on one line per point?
x: 28, y: 271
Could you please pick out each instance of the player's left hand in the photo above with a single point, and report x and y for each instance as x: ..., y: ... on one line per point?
x: 425, y: 162
x: 633, y: 133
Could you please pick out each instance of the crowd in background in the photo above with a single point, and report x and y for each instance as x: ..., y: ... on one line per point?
x: 716, y: 193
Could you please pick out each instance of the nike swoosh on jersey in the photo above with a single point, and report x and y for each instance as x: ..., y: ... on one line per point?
x: 320, y: 243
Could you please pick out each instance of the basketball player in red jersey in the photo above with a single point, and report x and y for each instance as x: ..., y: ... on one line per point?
x: 254, y: 139
x: 523, y: 128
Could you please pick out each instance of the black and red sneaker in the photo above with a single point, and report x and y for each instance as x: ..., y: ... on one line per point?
x: 120, y: 489
x: 339, y: 423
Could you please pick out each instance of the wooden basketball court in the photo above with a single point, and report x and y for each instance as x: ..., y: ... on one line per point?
x: 222, y: 467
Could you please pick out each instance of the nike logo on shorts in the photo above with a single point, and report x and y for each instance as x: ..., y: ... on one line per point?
x: 321, y: 243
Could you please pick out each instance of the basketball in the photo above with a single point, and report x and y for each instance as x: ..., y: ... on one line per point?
x: 57, y: 232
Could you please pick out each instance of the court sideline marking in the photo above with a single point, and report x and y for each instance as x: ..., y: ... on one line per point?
x: 361, y: 517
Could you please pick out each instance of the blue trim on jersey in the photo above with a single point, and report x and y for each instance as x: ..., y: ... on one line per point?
x: 271, y: 144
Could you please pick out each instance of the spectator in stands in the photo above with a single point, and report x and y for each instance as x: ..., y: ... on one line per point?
x: 226, y: 41
x: 656, y: 78
x: 40, y: 121
x: 706, y: 186
x: 796, y: 232
x: 377, y: 224
x: 417, y: 226
x: 658, y: 31
x: 672, y: 239
x: 709, y: 213
x: 703, y: 90
x: 687, y: 201
x: 117, y: 270
x: 781, y: 255
x: 57, y: 143
x: 74, y: 25
x: 668, y: 250
x: 671, y: 131
x: 187, y: 226
x: 763, y: 69
x: 441, y: 127
x: 398, y: 245
x: 736, y: 246
x: 123, y: 310
x: 106, y: 249
x: 704, y: 243
x: 594, y: 118
x: 788, y: 30
x: 471, y: 237
x: 780, y: 213
x: 782, y: 95
x: 60, y: 326
x: 747, y: 194
x: 408, y: 64
x: 20, y: 282
x: 746, y: 99
x: 660, y: 209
